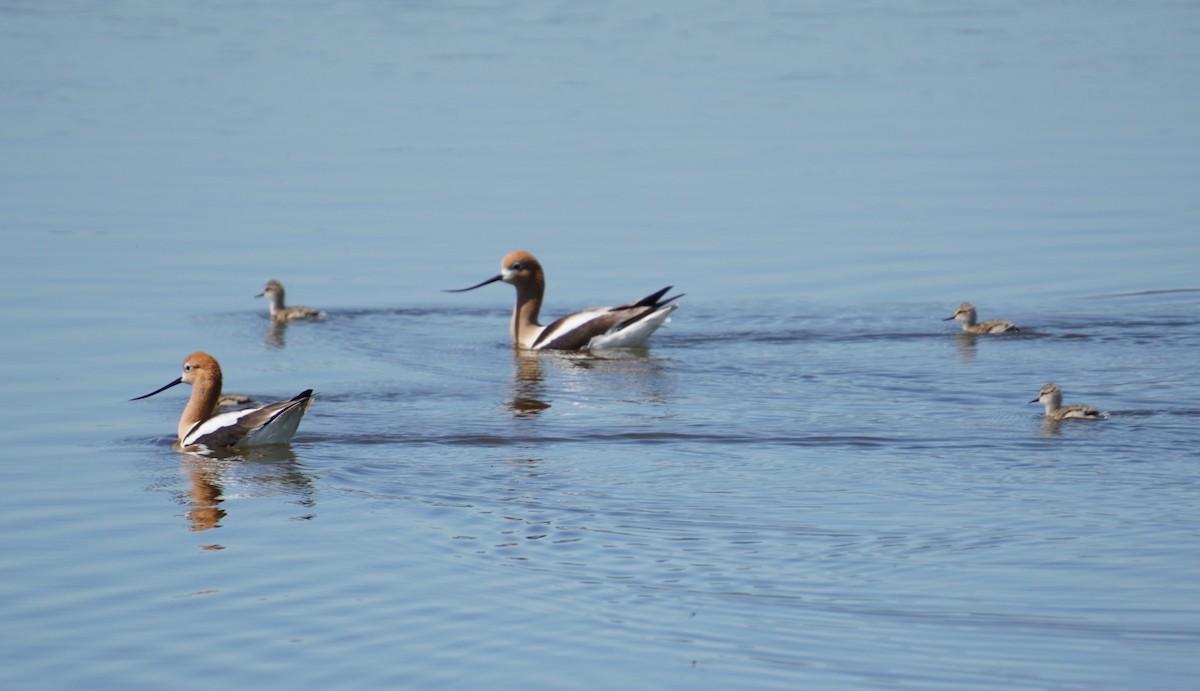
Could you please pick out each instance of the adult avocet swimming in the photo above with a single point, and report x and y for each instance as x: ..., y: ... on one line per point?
x: 599, y: 327
x: 200, y: 425
x: 966, y: 314
x: 273, y: 292
x: 1051, y: 396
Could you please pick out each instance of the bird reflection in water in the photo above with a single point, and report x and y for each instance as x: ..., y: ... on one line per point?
x: 276, y: 337
x: 965, y: 344
x: 630, y: 375
x: 1050, y: 427
x: 527, y: 391
x: 216, y: 477
x: 204, y: 495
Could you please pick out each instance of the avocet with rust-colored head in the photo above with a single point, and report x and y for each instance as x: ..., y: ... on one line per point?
x: 599, y: 327
x: 201, y: 426
x: 273, y: 292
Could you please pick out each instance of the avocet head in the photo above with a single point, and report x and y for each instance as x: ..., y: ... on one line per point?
x: 964, y: 312
x: 197, y: 367
x: 1050, y: 393
x: 271, y: 289
x: 517, y: 268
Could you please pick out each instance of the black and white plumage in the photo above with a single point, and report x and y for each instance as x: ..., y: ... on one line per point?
x: 598, y: 327
x: 200, y: 425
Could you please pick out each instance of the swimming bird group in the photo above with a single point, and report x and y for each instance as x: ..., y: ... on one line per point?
x: 1051, y: 394
x: 202, y: 426
x: 625, y: 325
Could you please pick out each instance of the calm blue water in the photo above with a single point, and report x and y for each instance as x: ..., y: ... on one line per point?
x: 807, y: 480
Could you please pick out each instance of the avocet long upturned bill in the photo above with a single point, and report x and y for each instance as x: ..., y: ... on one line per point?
x: 599, y: 327
x: 200, y: 425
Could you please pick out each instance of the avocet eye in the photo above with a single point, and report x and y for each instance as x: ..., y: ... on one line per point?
x: 516, y: 266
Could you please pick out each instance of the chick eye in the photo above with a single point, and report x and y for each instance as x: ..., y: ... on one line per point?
x: 187, y: 368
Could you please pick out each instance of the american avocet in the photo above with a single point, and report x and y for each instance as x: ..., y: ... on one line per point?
x: 1051, y: 396
x: 201, y: 426
x: 273, y: 291
x: 966, y: 314
x: 599, y: 327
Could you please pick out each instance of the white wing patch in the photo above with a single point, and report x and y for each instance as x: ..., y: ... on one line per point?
x: 278, y: 429
x: 217, y: 422
x: 636, y: 333
x: 573, y: 321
